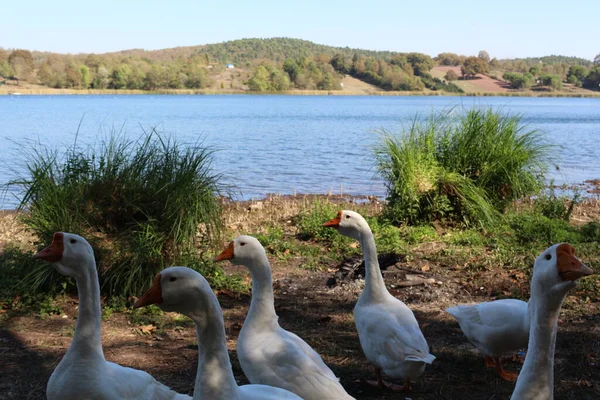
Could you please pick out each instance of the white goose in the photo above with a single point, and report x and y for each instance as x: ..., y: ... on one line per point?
x: 185, y: 291
x: 268, y: 353
x: 555, y: 272
x: 494, y: 328
x: 83, y: 373
x: 388, y: 330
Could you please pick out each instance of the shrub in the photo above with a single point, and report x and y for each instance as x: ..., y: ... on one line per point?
x: 310, y: 222
x: 462, y: 169
x: 573, y: 80
x: 451, y: 76
x: 551, y: 205
x: 437, y: 84
x: 538, y: 231
x: 139, y: 202
x: 518, y: 81
x: 554, y: 81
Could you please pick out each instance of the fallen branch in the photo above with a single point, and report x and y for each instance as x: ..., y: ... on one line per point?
x: 415, y: 282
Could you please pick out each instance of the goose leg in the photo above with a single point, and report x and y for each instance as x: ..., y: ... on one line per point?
x: 489, y: 362
x: 506, y: 375
x: 381, y: 384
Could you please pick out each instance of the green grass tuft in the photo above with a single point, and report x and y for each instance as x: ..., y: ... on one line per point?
x: 141, y: 203
x: 464, y: 168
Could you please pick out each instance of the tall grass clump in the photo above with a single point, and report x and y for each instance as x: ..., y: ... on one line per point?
x: 142, y: 203
x: 464, y: 168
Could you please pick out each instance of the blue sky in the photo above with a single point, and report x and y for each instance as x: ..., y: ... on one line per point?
x: 506, y: 29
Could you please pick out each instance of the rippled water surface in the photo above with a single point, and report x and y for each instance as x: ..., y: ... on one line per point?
x: 284, y: 144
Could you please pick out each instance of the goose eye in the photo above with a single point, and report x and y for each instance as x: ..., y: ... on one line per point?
x: 243, y: 244
x: 548, y: 256
x: 73, y: 241
x: 172, y: 279
x: 347, y: 217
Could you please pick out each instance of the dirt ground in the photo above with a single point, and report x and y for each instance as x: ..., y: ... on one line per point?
x: 30, y: 347
x: 481, y: 83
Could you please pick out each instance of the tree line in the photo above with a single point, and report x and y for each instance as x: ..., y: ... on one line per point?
x: 283, y: 63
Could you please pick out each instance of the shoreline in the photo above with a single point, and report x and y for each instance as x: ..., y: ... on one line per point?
x: 213, y: 92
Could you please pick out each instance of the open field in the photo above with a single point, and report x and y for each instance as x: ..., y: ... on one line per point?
x: 483, y: 83
x: 352, y: 87
x: 497, y: 87
x: 34, y: 338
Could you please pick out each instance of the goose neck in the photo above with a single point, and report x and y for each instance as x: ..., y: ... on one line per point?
x: 214, y: 377
x: 87, y: 340
x: 262, y: 304
x: 536, y: 380
x: 375, y: 289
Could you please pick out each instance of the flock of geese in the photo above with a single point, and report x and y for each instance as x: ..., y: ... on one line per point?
x: 278, y: 363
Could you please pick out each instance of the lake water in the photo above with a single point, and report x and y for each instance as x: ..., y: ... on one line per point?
x: 284, y: 144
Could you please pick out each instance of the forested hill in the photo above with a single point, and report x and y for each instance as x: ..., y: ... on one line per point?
x: 281, y: 64
x: 244, y: 51
x: 553, y: 60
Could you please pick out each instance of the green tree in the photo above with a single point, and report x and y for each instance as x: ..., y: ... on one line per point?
x: 518, y: 81
x: 572, y: 79
x: 578, y: 71
x: 328, y: 83
x: 449, y: 59
x: 135, y: 79
x: 73, y: 76
x: 451, y: 76
x: 93, y: 61
x: 473, y: 66
x: 279, y: 80
x: 4, y: 66
x: 597, y: 59
x: 592, y: 80
x: 3, y: 55
x: 484, y: 56
x: 554, y: 81
x: 259, y: 82
x: 173, y: 77
x: 421, y: 63
x: 535, y: 70
x: 341, y: 63
x: 154, y: 78
x: 293, y: 68
x: 21, y: 63
x: 197, y: 77
x: 101, y: 78
x: 52, y: 72
x: 119, y: 76
x: 85, y: 76
x: 5, y: 70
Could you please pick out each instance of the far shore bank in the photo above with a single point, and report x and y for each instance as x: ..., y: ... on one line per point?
x: 16, y: 91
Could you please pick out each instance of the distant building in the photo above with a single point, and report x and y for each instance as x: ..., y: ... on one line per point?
x: 230, y: 66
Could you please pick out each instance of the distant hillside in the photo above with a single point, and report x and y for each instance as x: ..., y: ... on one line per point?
x: 244, y: 51
x: 279, y: 49
x: 280, y: 64
x: 553, y: 60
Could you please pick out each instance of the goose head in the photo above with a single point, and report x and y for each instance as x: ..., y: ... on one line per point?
x: 243, y: 250
x: 348, y: 223
x: 557, y: 269
x: 176, y: 289
x: 70, y: 254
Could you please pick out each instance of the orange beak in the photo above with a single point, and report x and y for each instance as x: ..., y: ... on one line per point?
x: 226, y: 254
x: 335, y: 223
x: 569, y: 266
x: 152, y: 295
x: 54, y: 252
